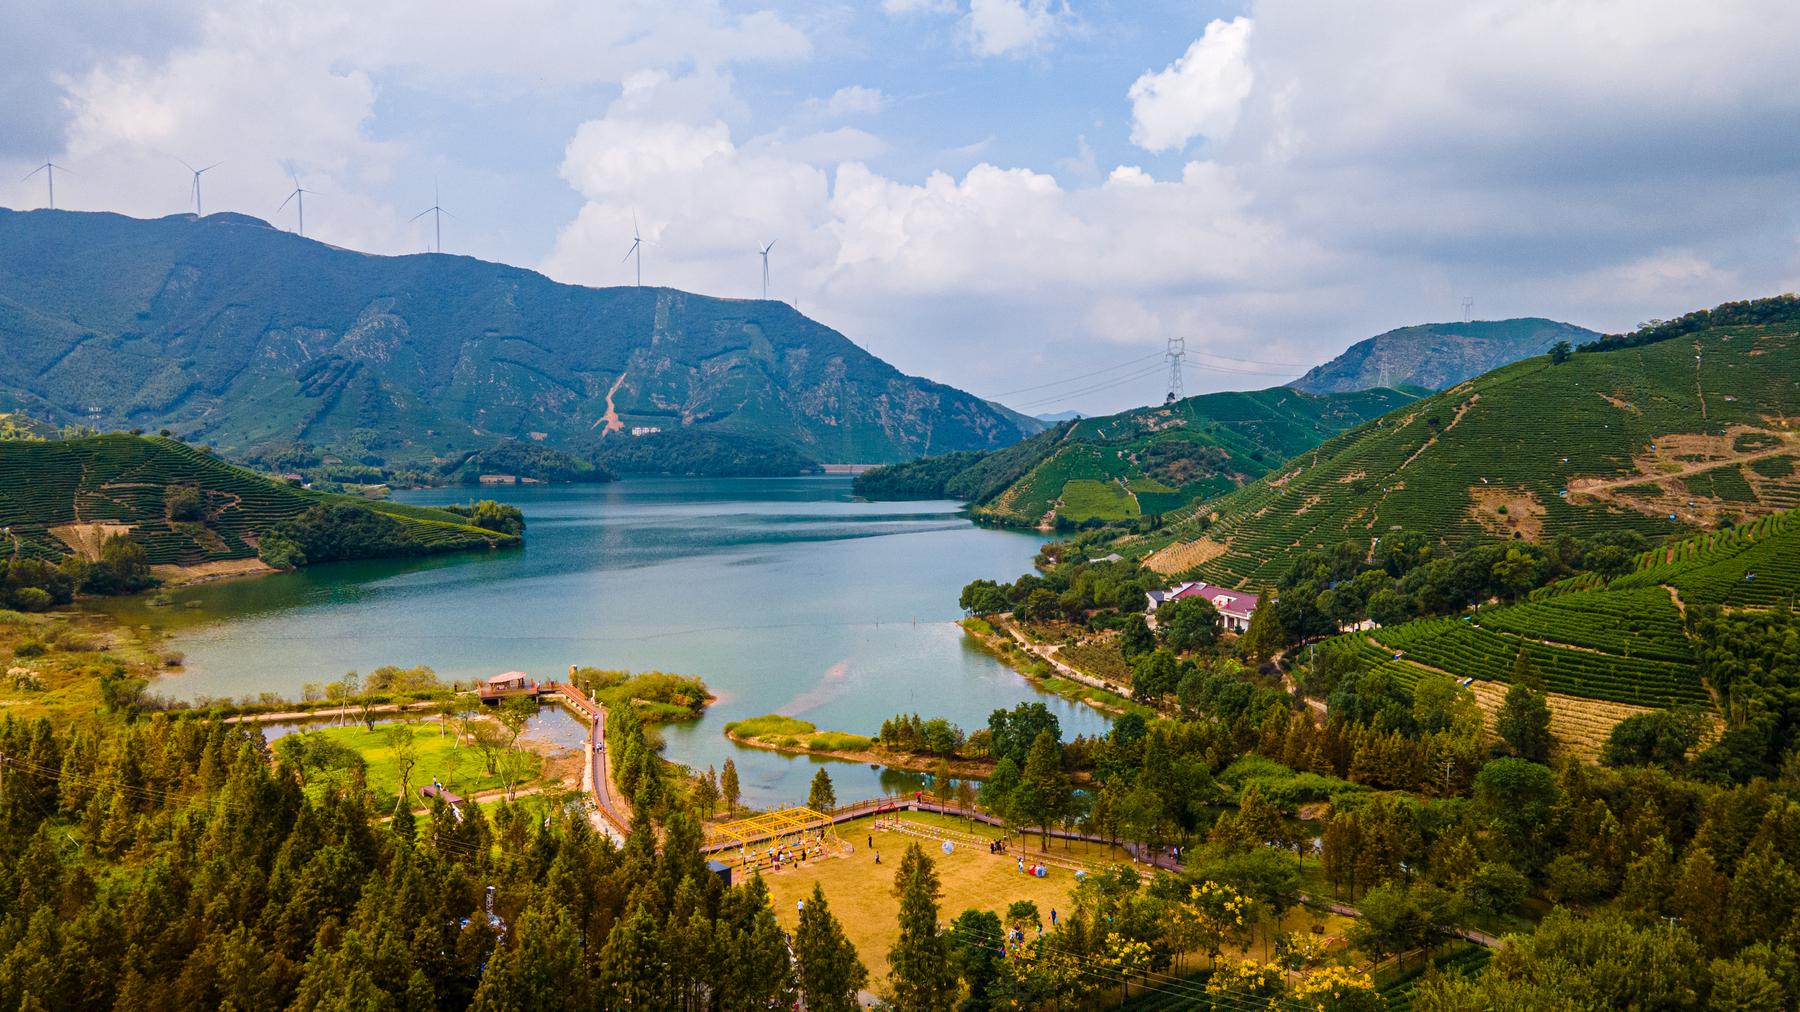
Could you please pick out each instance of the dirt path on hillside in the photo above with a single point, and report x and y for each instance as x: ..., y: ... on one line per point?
x: 1699, y: 389
x: 611, y: 419
x: 1598, y: 487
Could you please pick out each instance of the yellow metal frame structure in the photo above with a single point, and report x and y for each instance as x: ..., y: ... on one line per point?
x: 770, y: 826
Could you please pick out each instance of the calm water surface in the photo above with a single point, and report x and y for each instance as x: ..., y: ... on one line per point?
x: 783, y: 594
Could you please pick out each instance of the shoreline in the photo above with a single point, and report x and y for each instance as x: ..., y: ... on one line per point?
x: 906, y: 762
x: 1005, y: 643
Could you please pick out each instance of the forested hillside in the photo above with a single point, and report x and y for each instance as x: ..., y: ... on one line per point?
x: 1662, y: 439
x: 236, y: 334
x: 1143, y: 462
x: 187, y: 508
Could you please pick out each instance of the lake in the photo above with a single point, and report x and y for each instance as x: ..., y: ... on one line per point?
x: 784, y: 594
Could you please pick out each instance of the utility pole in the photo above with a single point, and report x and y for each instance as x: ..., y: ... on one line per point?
x: 1177, y: 349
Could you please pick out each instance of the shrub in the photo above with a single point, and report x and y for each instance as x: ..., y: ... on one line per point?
x: 31, y: 599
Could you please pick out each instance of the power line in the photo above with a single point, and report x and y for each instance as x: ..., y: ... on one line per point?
x: 1071, y: 394
x: 1082, y: 377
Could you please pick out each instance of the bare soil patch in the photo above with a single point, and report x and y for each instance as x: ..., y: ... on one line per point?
x: 85, y: 539
x: 1523, y: 513
x: 206, y: 572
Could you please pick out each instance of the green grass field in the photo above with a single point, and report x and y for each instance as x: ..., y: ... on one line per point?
x: 437, y: 756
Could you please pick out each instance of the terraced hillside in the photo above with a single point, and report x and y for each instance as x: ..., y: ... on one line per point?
x: 1623, y: 641
x: 63, y: 496
x: 1142, y: 462
x: 1663, y: 438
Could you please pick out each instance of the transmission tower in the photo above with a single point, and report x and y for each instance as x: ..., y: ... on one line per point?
x: 1177, y: 349
x: 1468, y: 308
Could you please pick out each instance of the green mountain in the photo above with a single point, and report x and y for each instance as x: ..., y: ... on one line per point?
x: 1664, y: 438
x: 1437, y: 356
x: 1147, y: 461
x: 188, y: 508
x: 230, y: 332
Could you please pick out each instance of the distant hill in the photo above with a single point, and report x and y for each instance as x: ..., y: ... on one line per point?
x: 233, y: 333
x: 188, y: 508
x: 1662, y: 438
x: 1143, y: 462
x: 1436, y: 356
x: 1060, y: 416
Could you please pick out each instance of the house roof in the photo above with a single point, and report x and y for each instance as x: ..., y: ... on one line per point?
x: 510, y: 676
x: 1232, y: 602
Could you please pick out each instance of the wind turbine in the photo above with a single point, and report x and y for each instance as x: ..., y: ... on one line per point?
x: 437, y: 219
x: 197, y: 173
x: 298, y: 198
x: 637, y: 246
x: 765, y: 255
x: 49, y: 170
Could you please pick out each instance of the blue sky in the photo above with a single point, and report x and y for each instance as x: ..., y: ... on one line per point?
x: 999, y: 194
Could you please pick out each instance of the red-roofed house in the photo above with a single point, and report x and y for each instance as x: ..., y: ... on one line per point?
x: 1234, y: 606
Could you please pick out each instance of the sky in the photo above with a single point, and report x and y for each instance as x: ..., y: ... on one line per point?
x: 1023, y: 198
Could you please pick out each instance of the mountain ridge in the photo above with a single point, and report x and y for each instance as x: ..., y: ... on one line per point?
x: 1437, y: 356
x: 227, y: 330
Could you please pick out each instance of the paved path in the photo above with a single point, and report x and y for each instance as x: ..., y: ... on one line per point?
x: 614, y: 812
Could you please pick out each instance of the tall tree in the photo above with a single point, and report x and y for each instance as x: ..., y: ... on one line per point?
x: 1524, y: 723
x: 921, y: 974
x: 1265, y: 637
x: 1043, y: 794
x: 972, y: 937
x: 728, y: 786
x: 830, y: 972
x: 822, y: 797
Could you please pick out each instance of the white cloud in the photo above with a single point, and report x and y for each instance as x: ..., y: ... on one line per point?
x: 853, y: 100
x: 1197, y: 95
x: 269, y: 88
x: 914, y: 6
x: 1013, y: 27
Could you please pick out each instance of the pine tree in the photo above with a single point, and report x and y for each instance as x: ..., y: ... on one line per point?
x: 921, y: 975
x: 830, y: 972
x: 822, y: 797
x: 728, y: 786
x: 706, y: 792
x: 1265, y: 637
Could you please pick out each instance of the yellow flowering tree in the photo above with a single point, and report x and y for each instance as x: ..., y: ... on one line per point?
x: 1125, y: 959
x: 1246, y: 979
x: 1225, y: 916
x: 1338, y: 989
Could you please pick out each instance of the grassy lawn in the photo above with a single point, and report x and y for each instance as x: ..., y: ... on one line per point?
x: 437, y: 757
x: 792, y: 732
x: 861, y: 892
x: 1085, y: 498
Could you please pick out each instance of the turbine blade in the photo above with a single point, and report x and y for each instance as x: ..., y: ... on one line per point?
x: 628, y: 253
x: 211, y: 167
x: 289, y: 200
x: 770, y: 246
x: 421, y: 214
